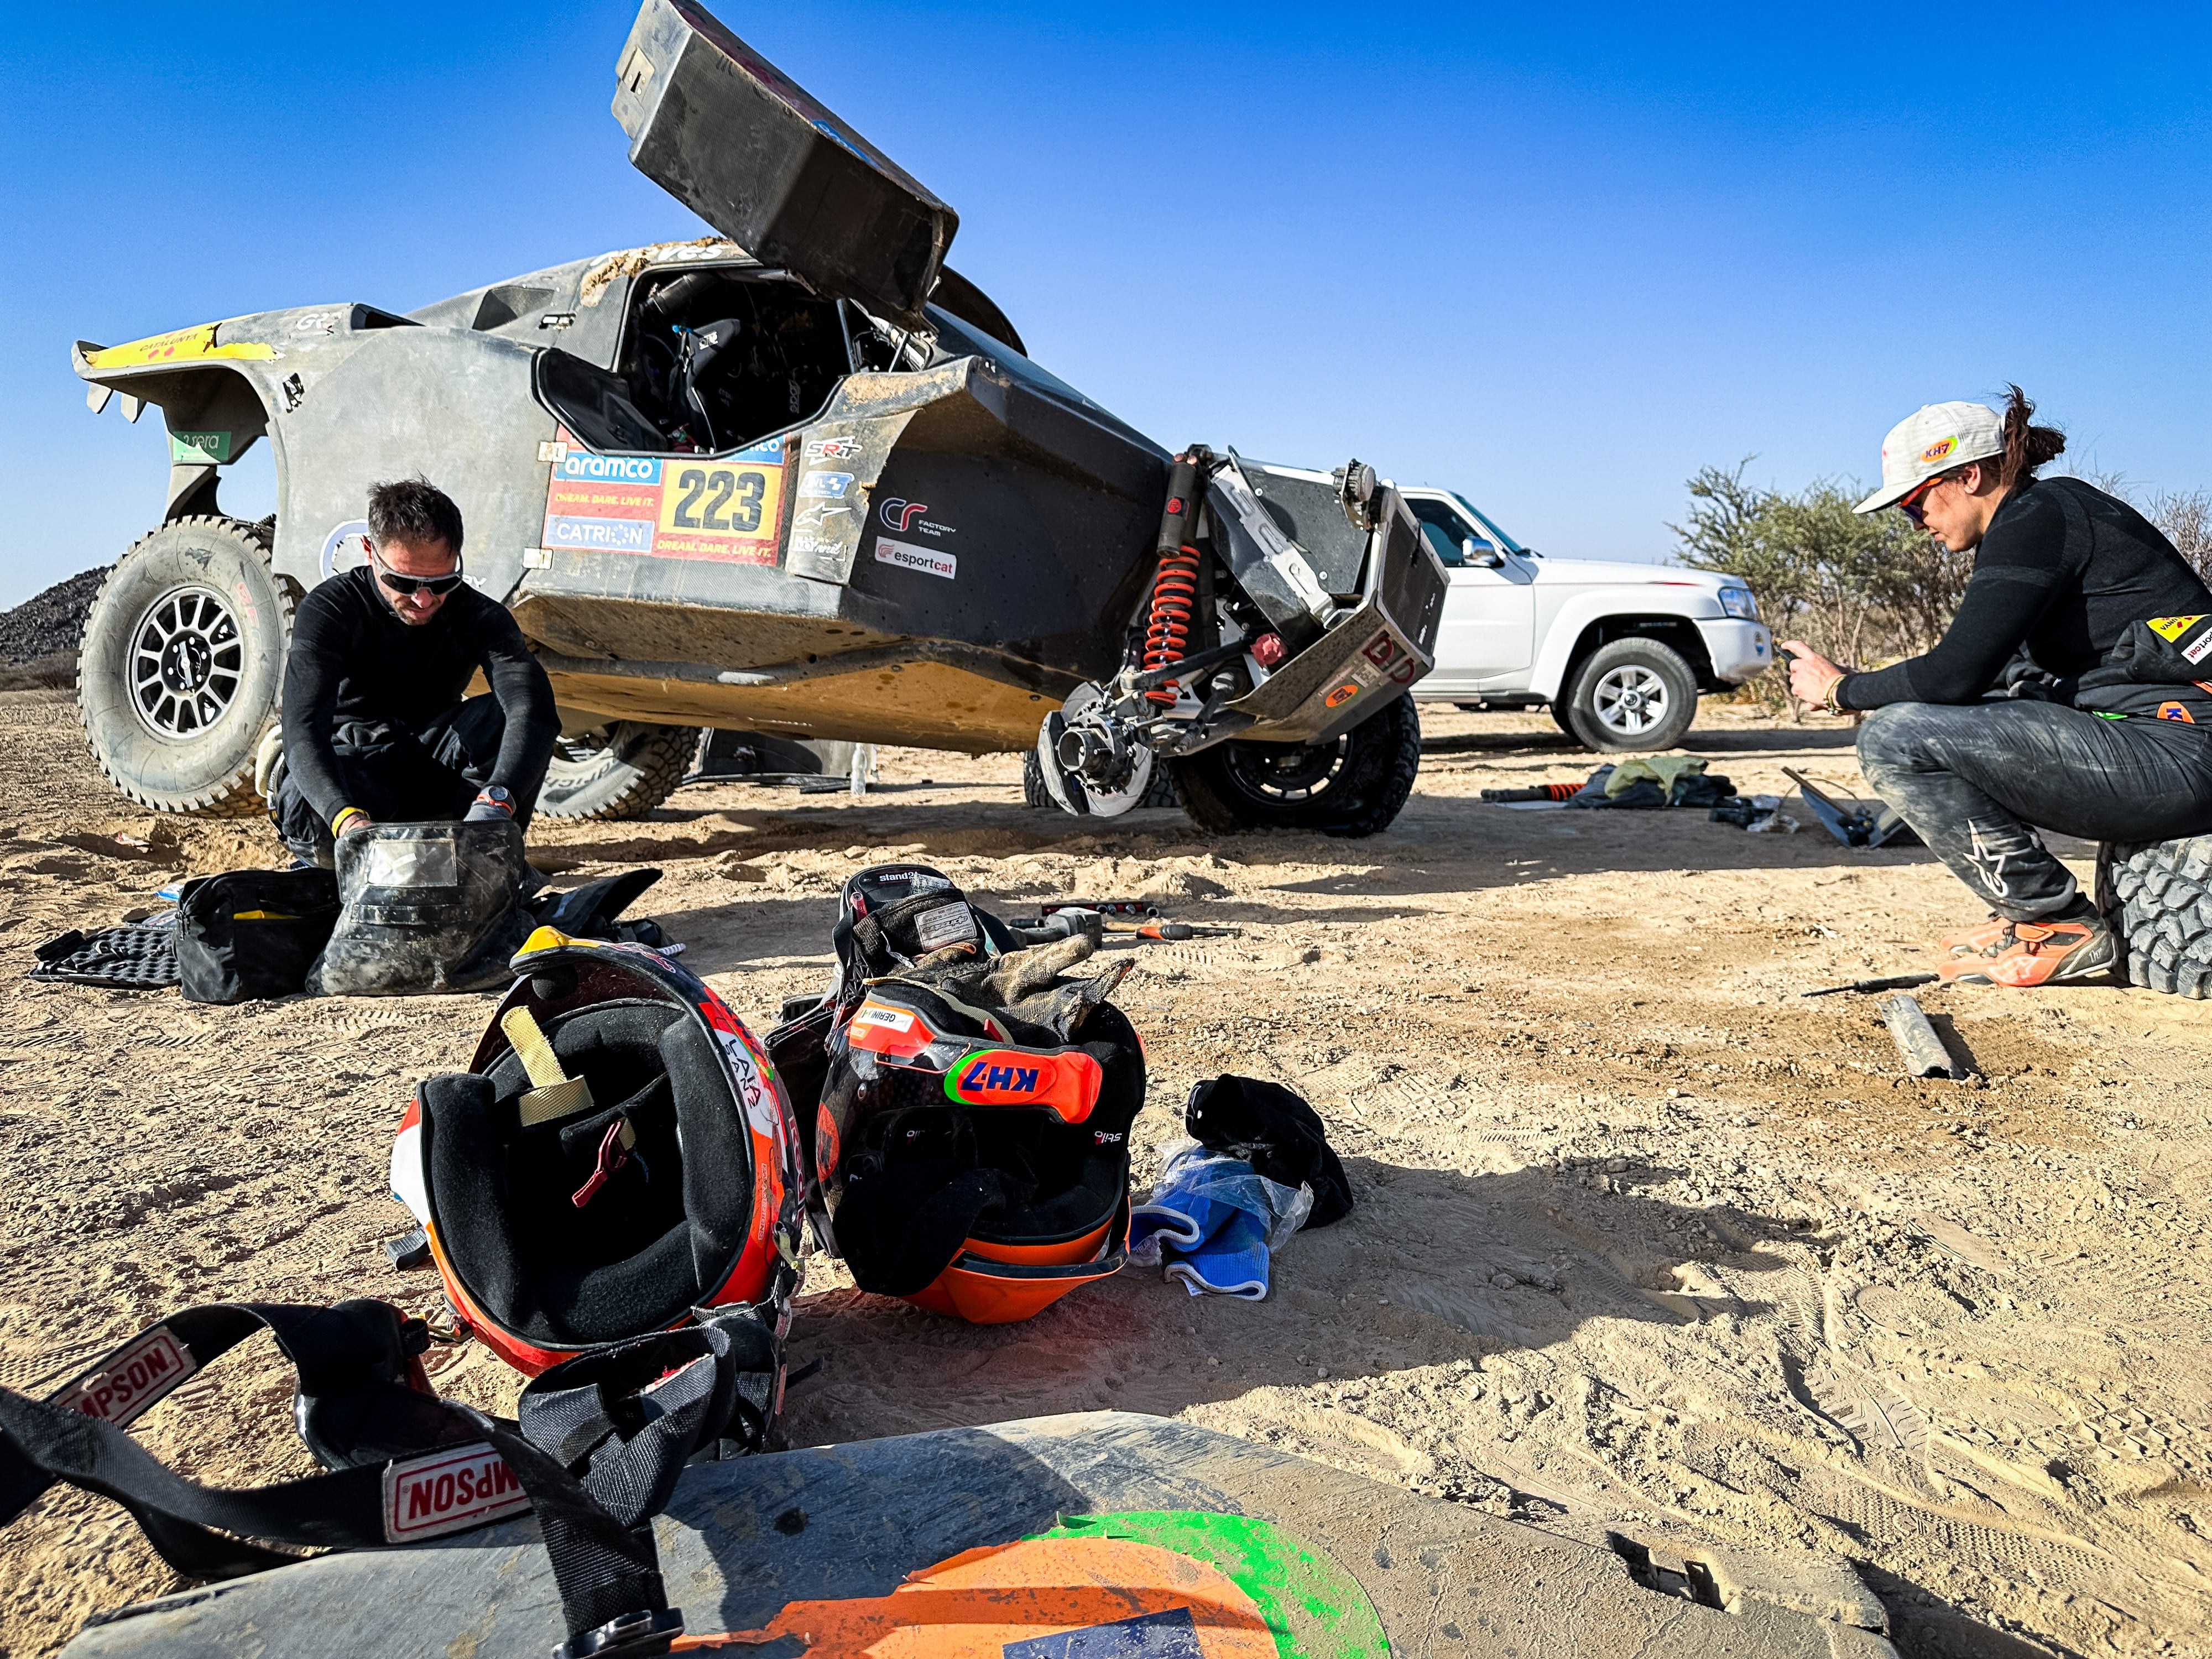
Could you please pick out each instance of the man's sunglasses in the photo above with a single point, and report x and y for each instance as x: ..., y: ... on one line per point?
x: 404, y: 586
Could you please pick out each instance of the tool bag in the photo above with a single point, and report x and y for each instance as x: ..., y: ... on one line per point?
x: 596, y: 1450
x: 253, y: 934
x: 618, y: 1155
x: 426, y: 907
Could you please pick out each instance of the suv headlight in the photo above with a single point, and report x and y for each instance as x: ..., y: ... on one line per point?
x: 1739, y: 603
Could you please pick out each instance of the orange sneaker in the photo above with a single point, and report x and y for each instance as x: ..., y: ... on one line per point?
x: 1974, y: 939
x: 2027, y: 953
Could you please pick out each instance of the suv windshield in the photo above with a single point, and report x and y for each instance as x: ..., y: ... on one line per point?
x: 1488, y: 524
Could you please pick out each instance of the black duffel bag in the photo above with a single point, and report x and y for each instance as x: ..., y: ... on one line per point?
x: 253, y: 934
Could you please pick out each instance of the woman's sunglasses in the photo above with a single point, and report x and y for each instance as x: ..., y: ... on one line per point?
x: 405, y: 586
x: 1911, y: 505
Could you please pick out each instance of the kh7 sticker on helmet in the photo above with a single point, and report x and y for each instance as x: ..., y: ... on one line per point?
x: 1180, y: 1583
x: 727, y: 508
x: 1067, y: 1081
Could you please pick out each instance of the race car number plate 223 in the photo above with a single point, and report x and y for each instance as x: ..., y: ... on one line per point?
x: 725, y: 508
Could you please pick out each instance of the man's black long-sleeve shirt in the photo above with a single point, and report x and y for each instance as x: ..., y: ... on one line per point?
x: 352, y: 658
x: 2063, y: 570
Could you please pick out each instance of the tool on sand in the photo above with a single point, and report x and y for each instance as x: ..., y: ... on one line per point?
x: 1169, y: 930
x: 1894, y: 982
x: 1534, y: 791
x: 1917, y: 1041
x: 1855, y: 825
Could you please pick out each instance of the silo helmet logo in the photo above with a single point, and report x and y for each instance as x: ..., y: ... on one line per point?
x: 1936, y: 450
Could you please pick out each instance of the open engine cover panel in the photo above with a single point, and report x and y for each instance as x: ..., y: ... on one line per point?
x: 727, y: 134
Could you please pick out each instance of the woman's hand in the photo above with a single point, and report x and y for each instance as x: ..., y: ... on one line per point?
x: 1811, y: 674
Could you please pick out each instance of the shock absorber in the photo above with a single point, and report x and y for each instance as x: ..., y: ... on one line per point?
x: 1175, y: 583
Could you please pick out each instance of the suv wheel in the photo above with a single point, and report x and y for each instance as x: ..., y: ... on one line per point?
x: 1632, y: 695
x: 1352, y: 786
x: 623, y: 769
x: 180, y: 663
x: 2158, y: 897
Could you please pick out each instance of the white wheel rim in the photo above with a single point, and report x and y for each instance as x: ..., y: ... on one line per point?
x: 1630, y: 699
x: 186, y: 660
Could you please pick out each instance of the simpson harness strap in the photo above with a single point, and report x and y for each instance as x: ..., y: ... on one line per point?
x: 600, y: 1444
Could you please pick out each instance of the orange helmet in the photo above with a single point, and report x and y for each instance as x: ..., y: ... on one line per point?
x: 966, y: 1161
x: 619, y: 1153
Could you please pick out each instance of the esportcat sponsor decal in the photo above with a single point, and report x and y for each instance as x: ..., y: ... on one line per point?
x: 927, y: 560
x: 133, y: 1382
x: 445, y: 1491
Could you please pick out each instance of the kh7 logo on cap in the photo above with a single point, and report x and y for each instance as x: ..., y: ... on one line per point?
x: 1067, y: 1081
x: 1936, y: 450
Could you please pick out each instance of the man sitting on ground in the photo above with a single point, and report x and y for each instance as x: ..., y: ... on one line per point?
x: 375, y: 726
x: 2064, y: 695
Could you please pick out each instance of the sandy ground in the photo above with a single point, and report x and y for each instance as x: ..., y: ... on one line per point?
x: 1644, y: 1240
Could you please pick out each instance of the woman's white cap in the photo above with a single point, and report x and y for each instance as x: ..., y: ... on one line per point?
x: 1931, y: 441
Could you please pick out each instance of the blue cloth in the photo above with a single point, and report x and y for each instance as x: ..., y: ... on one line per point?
x: 1211, y: 1222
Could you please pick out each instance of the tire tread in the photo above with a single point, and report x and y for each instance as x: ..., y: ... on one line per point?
x: 2158, y: 897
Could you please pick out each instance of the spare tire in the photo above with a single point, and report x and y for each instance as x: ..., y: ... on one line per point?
x: 622, y: 769
x: 181, y: 664
x: 2157, y: 896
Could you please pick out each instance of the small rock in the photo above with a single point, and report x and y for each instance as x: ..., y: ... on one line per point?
x: 1504, y: 1281
x: 1311, y: 953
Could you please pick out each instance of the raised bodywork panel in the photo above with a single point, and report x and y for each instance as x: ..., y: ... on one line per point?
x: 735, y: 140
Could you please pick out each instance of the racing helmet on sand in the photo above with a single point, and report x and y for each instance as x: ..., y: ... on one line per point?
x: 972, y: 1162
x: 619, y: 1156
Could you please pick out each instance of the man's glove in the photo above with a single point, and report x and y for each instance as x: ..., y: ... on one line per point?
x: 494, y: 804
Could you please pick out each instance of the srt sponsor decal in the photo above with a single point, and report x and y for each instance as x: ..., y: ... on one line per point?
x: 832, y: 449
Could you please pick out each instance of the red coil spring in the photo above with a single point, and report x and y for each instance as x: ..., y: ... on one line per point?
x: 1167, y: 629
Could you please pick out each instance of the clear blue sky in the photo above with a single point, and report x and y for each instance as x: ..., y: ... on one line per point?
x: 1559, y: 256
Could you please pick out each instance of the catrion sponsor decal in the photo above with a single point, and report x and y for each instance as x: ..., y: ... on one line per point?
x: 132, y: 1380
x: 831, y: 486
x: 724, y: 508
x: 1343, y: 694
x: 446, y: 1491
x: 1067, y: 1081
x: 927, y: 560
x: 1936, y: 450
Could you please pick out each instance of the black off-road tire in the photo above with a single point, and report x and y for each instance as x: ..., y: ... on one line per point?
x: 1352, y: 786
x: 623, y: 769
x: 182, y: 662
x: 1609, y: 728
x: 2157, y: 897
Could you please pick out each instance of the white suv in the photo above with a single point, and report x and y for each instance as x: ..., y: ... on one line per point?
x: 1620, y: 651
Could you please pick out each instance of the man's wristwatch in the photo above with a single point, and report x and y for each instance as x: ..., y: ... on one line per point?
x: 496, y: 795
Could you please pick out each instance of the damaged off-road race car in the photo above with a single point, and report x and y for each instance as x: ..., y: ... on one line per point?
x: 801, y: 479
